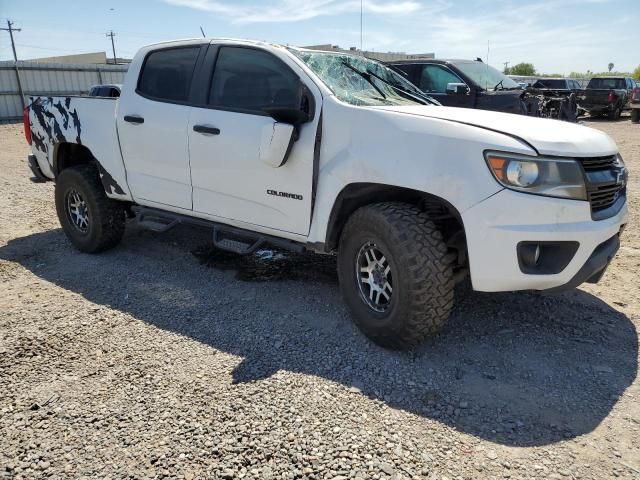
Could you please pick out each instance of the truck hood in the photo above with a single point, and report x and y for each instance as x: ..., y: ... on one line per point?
x: 548, y: 137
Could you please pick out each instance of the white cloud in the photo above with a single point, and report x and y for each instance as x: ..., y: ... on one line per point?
x: 295, y: 10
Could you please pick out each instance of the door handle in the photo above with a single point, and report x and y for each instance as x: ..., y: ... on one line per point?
x: 133, y: 119
x: 206, y: 129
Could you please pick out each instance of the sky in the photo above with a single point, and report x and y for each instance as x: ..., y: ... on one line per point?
x: 557, y: 36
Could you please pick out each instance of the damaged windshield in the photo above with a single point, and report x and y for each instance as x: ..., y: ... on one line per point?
x: 360, y: 81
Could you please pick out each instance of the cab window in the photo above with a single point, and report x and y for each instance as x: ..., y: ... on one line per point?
x: 166, y: 74
x: 435, y: 78
x: 251, y: 80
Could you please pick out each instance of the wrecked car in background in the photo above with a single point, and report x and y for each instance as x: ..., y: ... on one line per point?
x: 474, y: 84
x: 607, y: 96
x: 554, y: 98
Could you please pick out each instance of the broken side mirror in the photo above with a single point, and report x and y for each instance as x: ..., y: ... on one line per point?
x: 457, y: 89
x: 276, y: 143
x: 278, y: 138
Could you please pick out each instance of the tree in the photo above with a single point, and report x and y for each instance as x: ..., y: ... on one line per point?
x: 636, y: 73
x: 610, y: 67
x: 524, y: 69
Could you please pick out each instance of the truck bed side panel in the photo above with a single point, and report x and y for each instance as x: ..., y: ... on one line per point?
x: 87, y: 121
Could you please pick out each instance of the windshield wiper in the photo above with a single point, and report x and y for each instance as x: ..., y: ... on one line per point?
x: 367, y: 77
x: 499, y: 84
x: 425, y: 100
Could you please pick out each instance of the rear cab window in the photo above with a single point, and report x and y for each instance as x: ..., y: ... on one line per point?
x: 166, y: 74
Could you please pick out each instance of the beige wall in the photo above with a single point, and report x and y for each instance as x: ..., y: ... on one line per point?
x: 95, y: 57
x: 382, y: 56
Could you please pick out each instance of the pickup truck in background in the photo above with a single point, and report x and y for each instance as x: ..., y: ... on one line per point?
x: 635, y: 104
x: 607, y: 96
x: 307, y: 150
x: 464, y: 83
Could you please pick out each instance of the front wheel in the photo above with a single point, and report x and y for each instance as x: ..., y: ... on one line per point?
x: 395, y: 274
x: 635, y: 115
x: 92, y: 221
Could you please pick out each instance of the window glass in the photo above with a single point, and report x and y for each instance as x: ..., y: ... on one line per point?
x: 435, y: 79
x: 604, y: 83
x: 167, y: 74
x: 485, y: 76
x: 253, y: 80
x: 361, y: 81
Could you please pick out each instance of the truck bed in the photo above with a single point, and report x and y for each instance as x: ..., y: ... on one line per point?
x: 77, y: 120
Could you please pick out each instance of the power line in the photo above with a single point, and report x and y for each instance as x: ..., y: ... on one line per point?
x: 113, y: 46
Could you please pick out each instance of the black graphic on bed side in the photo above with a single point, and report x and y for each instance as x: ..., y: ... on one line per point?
x: 53, y: 122
x: 108, y: 182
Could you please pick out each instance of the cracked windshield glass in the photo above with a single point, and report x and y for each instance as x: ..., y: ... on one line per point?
x: 360, y: 81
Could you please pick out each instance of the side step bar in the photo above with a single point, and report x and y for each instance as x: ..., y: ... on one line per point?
x: 225, y: 237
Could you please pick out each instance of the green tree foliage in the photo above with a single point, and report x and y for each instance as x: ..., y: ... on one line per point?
x: 524, y: 69
x: 636, y: 73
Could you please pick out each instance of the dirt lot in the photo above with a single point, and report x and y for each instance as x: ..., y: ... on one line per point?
x: 144, y: 362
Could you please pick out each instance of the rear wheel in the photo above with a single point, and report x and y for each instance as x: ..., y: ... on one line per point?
x: 395, y: 274
x: 615, y: 114
x: 635, y: 115
x: 92, y: 221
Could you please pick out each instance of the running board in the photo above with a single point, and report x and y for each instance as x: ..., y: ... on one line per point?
x: 225, y: 237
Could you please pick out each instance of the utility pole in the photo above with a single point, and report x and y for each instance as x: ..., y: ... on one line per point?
x: 113, y: 46
x: 10, y: 29
x: 506, y: 67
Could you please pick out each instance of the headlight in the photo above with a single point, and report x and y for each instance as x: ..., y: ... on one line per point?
x: 548, y: 176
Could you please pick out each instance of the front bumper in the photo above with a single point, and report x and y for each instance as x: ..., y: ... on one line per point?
x: 496, y: 226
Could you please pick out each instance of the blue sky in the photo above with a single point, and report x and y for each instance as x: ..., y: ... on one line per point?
x: 555, y: 35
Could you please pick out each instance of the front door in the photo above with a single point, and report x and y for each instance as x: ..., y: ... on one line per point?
x: 225, y: 135
x: 152, y: 127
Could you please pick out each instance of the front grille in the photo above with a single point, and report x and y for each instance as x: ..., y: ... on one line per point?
x: 606, y: 183
x: 604, y: 196
x: 598, y: 163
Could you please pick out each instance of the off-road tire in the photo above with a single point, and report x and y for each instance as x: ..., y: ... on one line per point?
x: 106, y: 216
x: 635, y: 115
x: 423, y: 286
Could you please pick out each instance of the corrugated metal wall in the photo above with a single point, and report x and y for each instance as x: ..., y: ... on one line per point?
x: 50, y: 79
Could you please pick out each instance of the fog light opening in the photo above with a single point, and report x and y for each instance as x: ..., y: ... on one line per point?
x: 531, y: 254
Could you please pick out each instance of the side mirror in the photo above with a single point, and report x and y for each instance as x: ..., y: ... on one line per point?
x: 457, y: 89
x: 292, y: 116
x: 276, y: 142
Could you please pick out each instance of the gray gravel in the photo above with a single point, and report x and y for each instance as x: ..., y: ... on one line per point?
x: 150, y: 362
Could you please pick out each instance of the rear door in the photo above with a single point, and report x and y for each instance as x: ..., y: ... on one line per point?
x: 225, y: 133
x: 152, y: 126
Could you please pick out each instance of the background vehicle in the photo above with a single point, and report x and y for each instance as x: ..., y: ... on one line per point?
x: 334, y: 153
x: 607, y: 96
x: 107, y: 90
x: 556, y: 98
x: 635, y: 104
x: 464, y: 83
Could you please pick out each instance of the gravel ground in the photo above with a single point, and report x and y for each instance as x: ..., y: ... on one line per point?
x: 144, y: 362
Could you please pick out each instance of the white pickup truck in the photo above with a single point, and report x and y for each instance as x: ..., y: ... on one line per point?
x: 334, y: 153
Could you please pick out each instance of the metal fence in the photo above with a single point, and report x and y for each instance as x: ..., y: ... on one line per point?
x: 49, y: 79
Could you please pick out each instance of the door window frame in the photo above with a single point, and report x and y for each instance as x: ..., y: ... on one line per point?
x: 191, y: 90
x: 204, y: 81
